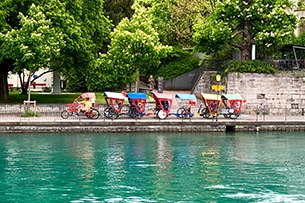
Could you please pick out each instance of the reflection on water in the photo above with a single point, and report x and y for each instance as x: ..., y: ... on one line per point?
x: 202, y: 167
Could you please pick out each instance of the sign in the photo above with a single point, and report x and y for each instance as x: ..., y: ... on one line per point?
x: 218, y: 87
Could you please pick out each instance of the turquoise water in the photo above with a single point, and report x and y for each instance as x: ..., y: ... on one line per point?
x: 203, y: 167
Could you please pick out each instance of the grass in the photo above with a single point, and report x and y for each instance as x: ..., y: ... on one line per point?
x: 47, y: 98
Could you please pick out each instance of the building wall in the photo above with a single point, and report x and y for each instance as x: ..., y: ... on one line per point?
x: 47, y: 79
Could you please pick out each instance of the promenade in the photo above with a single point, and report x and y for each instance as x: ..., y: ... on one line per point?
x: 53, y: 123
x: 50, y: 121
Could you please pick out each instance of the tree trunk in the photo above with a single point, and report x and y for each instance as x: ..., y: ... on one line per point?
x: 246, y: 51
x: 23, y: 82
x: 56, y: 83
x: 4, y: 69
x: 137, y: 88
x: 3, y: 84
x: 246, y: 44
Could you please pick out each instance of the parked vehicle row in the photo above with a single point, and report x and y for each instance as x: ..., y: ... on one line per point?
x: 228, y: 105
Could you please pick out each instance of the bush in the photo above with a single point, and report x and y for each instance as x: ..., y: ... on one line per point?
x: 178, y: 65
x: 253, y: 66
x: 30, y: 113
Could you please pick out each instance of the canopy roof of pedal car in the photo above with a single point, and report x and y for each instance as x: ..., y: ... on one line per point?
x: 233, y: 97
x: 163, y: 96
x: 114, y: 95
x: 88, y: 95
x: 132, y: 95
x: 186, y: 96
x: 210, y: 96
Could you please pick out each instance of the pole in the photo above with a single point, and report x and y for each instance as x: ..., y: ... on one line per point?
x: 218, y: 78
x: 29, y: 92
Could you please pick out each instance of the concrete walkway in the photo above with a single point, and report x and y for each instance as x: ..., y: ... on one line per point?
x: 55, y: 124
x: 51, y: 121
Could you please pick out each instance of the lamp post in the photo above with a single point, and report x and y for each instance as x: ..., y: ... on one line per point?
x: 218, y: 78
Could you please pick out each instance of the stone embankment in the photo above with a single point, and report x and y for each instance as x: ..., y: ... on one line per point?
x: 55, y: 124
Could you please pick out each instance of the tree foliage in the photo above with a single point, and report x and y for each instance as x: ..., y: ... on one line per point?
x: 174, y: 19
x: 116, y: 10
x: 80, y: 24
x: 135, y: 45
x: 243, y: 23
x: 86, y: 31
x: 33, y: 45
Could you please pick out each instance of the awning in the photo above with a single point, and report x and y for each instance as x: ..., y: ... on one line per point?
x: 114, y: 95
x: 163, y: 96
x: 232, y: 96
x: 210, y: 96
x: 186, y: 96
x: 136, y: 95
x: 88, y: 95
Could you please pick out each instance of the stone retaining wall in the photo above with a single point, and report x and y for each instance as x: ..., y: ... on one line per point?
x: 64, y: 126
x: 277, y: 94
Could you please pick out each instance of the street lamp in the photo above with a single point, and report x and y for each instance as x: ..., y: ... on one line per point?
x: 218, y: 78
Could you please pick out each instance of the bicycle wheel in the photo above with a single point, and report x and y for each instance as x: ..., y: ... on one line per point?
x: 234, y: 116
x: 132, y: 112
x: 181, y: 113
x: 93, y: 114
x: 206, y: 113
x: 108, y: 112
x: 162, y: 115
x: 65, y: 114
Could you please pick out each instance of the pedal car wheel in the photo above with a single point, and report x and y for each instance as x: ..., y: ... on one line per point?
x: 226, y: 115
x: 234, y: 116
x: 132, y: 112
x: 161, y: 114
x: 181, y: 113
x: 108, y: 112
x: 94, y: 114
x: 65, y: 114
x: 205, y: 113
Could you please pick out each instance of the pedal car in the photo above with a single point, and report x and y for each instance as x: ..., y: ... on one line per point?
x: 233, y: 104
x: 210, y: 105
x: 77, y: 107
x: 137, y: 102
x: 114, y: 101
x: 186, y: 101
x: 163, y: 104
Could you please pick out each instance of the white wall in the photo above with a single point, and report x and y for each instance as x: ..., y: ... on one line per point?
x: 45, y: 79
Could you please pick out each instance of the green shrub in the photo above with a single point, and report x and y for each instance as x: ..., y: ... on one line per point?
x: 30, y: 113
x: 253, y: 66
x: 178, y: 66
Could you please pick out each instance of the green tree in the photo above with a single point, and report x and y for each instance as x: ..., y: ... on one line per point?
x: 86, y: 31
x: 116, y: 10
x: 174, y: 19
x: 135, y: 46
x: 243, y: 23
x: 33, y: 45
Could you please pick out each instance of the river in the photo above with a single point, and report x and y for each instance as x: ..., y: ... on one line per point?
x: 152, y: 167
